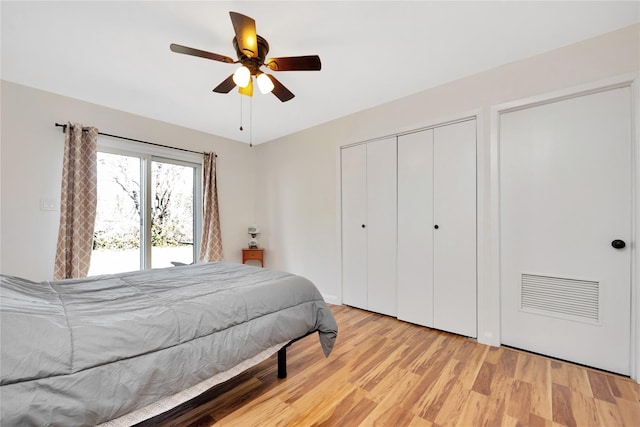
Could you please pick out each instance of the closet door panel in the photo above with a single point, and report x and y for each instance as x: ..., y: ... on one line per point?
x: 455, y: 237
x: 415, y: 228
x: 381, y: 225
x: 354, y: 216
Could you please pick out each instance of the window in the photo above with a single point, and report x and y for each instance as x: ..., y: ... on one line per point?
x: 147, y: 213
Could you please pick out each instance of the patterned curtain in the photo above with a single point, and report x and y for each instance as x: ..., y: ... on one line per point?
x: 77, y: 202
x: 211, y: 245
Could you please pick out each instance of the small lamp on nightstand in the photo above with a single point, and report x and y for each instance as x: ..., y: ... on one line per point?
x: 253, y: 231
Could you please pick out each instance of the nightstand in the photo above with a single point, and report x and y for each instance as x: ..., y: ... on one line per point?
x: 257, y: 254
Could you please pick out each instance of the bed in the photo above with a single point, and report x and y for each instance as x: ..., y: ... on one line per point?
x: 116, y: 349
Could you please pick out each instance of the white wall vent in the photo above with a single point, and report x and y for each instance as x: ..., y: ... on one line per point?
x: 571, y: 299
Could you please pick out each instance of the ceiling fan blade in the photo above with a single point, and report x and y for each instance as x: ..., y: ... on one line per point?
x: 226, y: 85
x: 295, y: 63
x: 281, y: 92
x: 247, y: 90
x: 245, y: 29
x: 201, y: 53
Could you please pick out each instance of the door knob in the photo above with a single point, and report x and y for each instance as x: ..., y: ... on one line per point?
x: 618, y: 244
x: 363, y: 226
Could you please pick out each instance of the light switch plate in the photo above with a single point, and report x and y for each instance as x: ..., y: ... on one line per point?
x: 48, y: 205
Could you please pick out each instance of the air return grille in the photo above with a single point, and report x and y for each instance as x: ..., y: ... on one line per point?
x: 560, y: 297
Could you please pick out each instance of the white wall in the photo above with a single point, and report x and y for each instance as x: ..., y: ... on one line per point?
x: 296, y: 188
x: 31, y: 166
x: 297, y: 180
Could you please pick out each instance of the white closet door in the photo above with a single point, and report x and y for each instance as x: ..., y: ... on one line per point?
x: 454, y: 201
x: 354, y: 219
x: 565, y: 201
x: 415, y: 228
x: 381, y: 225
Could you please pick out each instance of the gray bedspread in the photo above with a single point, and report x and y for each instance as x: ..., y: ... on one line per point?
x: 81, y: 352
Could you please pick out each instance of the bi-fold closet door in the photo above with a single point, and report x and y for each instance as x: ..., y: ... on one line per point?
x: 369, y: 221
x: 395, y: 192
x: 437, y: 228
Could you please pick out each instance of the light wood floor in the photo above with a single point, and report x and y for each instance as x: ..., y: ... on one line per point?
x: 384, y: 372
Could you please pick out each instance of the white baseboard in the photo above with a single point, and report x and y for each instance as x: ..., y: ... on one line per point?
x: 331, y: 299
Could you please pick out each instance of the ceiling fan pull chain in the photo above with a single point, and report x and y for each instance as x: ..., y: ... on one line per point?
x: 241, y: 129
x: 251, y: 122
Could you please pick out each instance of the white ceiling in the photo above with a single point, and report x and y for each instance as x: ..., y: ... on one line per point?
x: 117, y: 53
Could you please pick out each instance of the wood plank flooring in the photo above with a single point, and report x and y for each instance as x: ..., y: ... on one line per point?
x: 384, y: 372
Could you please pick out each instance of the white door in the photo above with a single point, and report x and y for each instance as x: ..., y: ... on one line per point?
x: 354, y: 219
x: 415, y: 228
x: 454, y: 235
x: 437, y: 228
x: 565, y: 198
x: 381, y: 226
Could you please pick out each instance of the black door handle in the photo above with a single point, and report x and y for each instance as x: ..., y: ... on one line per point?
x: 618, y: 244
x: 363, y: 225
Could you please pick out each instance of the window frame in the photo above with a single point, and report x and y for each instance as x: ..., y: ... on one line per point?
x: 148, y: 154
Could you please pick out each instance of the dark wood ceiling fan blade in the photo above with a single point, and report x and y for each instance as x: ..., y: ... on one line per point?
x: 226, y: 85
x: 280, y: 91
x: 201, y: 53
x: 245, y: 29
x: 295, y: 63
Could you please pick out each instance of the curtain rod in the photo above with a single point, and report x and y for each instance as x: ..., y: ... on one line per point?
x: 64, y: 129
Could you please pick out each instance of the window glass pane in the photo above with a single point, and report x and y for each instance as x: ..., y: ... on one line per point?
x: 116, y: 245
x: 172, y: 188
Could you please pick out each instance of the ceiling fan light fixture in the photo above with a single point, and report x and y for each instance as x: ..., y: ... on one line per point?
x: 252, y: 50
x: 264, y: 83
x: 242, y: 76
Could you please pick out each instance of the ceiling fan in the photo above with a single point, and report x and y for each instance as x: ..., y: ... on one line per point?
x: 252, y: 50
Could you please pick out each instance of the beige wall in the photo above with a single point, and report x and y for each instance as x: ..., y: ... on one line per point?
x: 297, y: 180
x: 31, y: 166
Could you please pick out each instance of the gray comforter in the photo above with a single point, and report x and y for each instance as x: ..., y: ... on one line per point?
x: 81, y: 352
